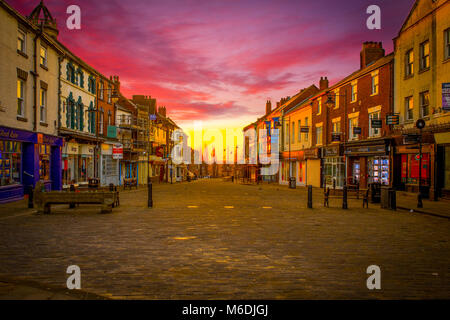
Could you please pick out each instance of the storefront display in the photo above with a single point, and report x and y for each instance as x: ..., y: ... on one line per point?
x: 410, y: 169
x: 378, y: 170
x: 44, y: 162
x: 334, y: 172
x: 10, y: 162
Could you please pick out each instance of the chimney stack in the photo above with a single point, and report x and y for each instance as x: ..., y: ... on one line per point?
x: 323, y: 83
x: 268, y: 106
x: 162, y: 111
x: 116, y: 82
x: 371, y: 52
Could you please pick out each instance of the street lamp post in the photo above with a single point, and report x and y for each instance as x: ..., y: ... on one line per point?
x: 420, y: 124
x: 330, y: 103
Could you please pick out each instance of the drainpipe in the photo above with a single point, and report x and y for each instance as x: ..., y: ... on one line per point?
x: 35, y: 76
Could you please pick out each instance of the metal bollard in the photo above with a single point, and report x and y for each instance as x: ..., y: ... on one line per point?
x: 72, y: 189
x: 310, y: 204
x: 150, y: 193
x: 393, y: 199
x: 111, y: 187
x: 344, y: 198
x: 419, y: 200
x: 30, y: 196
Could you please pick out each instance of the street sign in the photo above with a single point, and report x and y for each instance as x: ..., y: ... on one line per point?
x: 392, y: 119
x: 152, y: 117
x: 356, y: 130
x: 377, y: 123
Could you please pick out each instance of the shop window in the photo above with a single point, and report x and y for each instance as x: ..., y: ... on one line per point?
x: 44, y: 162
x: 425, y: 55
x: 409, y: 108
x: 410, y: 169
x: 424, y: 103
x: 378, y: 170
x: 374, y: 132
x: 20, y: 97
x: 43, y: 105
x: 409, y: 63
x: 447, y: 44
x: 10, y: 162
x: 21, y: 41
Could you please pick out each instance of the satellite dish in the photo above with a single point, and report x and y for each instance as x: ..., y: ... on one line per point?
x: 420, y: 124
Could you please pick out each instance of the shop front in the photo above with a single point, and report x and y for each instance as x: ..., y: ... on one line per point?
x: 333, y: 163
x: 77, y: 163
x: 109, y: 165
x: 293, y: 165
x: 25, y: 158
x: 443, y: 162
x: 368, y: 162
x: 412, y: 168
x: 312, y: 161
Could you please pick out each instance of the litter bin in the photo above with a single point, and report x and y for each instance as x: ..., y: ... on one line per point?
x: 375, y: 193
x: 292, y: 183
x: 388, y: 198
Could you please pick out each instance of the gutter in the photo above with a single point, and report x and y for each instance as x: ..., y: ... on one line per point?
x: 35, y: 76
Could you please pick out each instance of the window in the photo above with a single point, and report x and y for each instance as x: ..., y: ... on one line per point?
x: 306, y: 133
x: 109, y: 93
x: 352, y: 123
x: 318, y: 135
x: 319, y: 106
x: 43, y: 56
x: 447, y: 44
x: 109, y: 118
x: 299, y: 130
x: 336, y: 104
x: 374, y: 132
x: 375, y: 80
x: 337, y: 126
x: 43, y: 105
x: 424, y: 103
x: 409, y: 63
x: 293, y: 132
x: 100, y: 91
x: 20, y: 97
x: 425, y: 55
x: 100, y: 122
x: 409, y: 107
x: 21, y: 41
x: 354, y: 92
x: 286, y: 133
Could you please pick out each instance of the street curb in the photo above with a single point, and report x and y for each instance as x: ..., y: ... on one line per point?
x: 77, y: 294
x: 424, y: 212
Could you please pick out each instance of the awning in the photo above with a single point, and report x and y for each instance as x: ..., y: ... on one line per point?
x: 442, y: 137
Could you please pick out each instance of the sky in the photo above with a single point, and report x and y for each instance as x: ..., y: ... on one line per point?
x: 219, y: 61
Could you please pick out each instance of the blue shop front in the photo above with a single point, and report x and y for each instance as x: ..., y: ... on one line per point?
x: 25, y: 158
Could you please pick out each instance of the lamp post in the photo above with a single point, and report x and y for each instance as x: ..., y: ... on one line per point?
x: 330, y: 103
x: 420, y: 124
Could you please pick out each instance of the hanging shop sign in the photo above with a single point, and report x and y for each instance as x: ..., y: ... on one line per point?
x: 446, y: 96
x: 356, y: 130
x: 304, y: 129
x: 392, y: 119
x: 411, y: 138
x: 311, y: 153
x: 335, y: 137
x: 331, y: 151
x: 117, y: 151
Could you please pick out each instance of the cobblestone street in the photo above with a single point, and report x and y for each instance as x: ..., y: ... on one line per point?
x: 210, y: 239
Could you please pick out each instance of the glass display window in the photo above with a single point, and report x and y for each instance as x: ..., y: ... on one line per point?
x: 378, y: 170
x: 10, y: 162
x: 44, y: 162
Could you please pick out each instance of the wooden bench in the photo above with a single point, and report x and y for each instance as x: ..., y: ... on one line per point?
x: 43, y: 200
x: 129, y: 183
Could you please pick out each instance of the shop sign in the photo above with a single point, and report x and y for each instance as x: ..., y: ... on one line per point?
x: 19, y: 135
x: 111, y: 132
x: 335, y: 137
x: 52, y: 140
x: 71, y: 148
x: 117, y: 151
x: 160, y: 152
x: 446, y: 96
x: 377, y: 124
x: 304, y: 129
x: 356, y: 130
x: 392, y: 119
x: 367, y: 150
x: 331, y: 151
x: 87, y: 149
x: 311, y: 153
x: 410, y: 138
